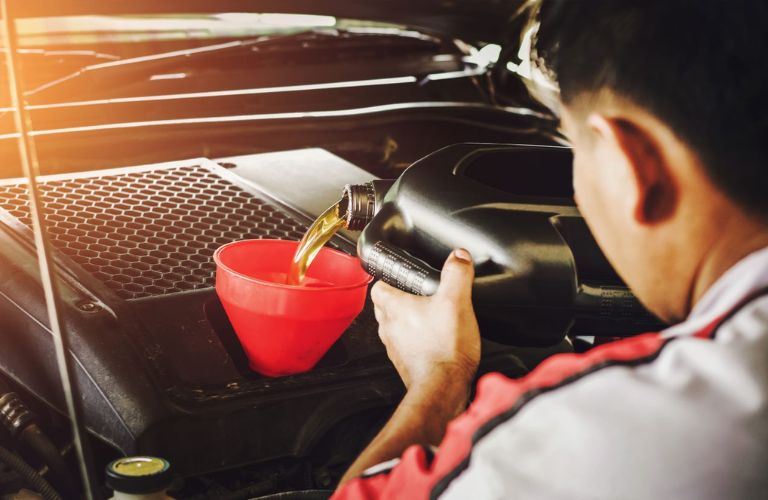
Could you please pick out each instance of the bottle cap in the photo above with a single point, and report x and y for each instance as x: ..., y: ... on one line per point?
x: 357, y: 205
x: 139, y: 475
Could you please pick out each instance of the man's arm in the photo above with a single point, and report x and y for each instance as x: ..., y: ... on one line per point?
x: 436, y: 359
x: 420, y: 418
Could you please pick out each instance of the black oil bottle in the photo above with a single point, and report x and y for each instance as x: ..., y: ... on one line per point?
x: 539, y: 272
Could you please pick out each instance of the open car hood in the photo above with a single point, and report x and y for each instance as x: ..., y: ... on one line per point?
x: 476, y: 20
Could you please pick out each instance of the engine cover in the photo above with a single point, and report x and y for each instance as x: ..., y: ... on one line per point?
x: 160, y: 369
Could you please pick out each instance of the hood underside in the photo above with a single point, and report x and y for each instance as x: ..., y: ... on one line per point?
x: 479, y: 20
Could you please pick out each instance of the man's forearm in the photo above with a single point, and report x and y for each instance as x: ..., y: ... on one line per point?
x: 420, y: 418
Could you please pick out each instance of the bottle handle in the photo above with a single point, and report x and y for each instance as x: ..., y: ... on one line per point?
x: 398, y: 268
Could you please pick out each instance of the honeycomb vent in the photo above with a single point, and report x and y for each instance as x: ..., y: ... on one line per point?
x: 150, y: 232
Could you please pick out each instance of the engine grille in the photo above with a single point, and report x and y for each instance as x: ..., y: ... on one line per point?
x: 150, y: 231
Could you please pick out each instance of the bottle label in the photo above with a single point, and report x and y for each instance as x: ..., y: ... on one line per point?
x: 395, y: 267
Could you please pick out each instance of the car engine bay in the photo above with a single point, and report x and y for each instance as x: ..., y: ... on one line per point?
x: 158, y: 360
x: 145, y: 175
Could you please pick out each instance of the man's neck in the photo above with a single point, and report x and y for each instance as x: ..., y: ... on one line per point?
x: 728, y: 247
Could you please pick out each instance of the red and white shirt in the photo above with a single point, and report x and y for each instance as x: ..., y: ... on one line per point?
x: 680, y: 414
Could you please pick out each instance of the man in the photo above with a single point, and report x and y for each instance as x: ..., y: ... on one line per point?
x: 666, y: 105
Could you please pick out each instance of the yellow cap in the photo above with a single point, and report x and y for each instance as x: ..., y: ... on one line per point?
x: 139, y: 474
x: 139, y: 466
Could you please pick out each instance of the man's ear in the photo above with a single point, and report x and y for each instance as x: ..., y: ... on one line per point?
x: 656, y: 191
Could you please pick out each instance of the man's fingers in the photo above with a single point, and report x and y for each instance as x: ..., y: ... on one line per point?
x: 455, y: 282
x: 457, y: 276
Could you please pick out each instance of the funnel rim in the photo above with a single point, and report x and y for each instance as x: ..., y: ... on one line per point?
x: 221, y: 265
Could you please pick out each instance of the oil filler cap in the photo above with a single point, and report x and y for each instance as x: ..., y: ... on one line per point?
x: 139, y: 475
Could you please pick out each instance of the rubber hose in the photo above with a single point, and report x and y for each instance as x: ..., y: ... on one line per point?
x: 28, y: 474
x: 39, y: 442
x: 34, y: 438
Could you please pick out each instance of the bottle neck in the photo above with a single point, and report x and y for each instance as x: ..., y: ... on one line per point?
x: 360, y: 202
x: 358, y: 205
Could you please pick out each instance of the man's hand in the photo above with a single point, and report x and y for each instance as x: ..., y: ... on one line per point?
x: 429, y: 338
x: 434, y: 343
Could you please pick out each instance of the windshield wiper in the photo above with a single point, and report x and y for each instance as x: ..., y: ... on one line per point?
x: 144, y: 61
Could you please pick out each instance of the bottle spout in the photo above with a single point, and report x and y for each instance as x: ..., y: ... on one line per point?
x: 360, y: 202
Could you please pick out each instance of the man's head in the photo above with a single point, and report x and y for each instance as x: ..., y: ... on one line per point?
x: 666, y: 105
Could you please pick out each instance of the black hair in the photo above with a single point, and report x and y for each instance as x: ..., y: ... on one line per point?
x: 698, y: 65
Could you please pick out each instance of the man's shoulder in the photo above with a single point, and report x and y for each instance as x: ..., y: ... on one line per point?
x: 679, y: 417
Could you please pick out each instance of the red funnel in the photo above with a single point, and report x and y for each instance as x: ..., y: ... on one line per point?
x: 286, y: 329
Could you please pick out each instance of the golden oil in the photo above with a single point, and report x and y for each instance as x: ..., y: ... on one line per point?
x: 316, y: 236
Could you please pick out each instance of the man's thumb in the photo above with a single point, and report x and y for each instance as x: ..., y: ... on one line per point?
x: 457, y: 276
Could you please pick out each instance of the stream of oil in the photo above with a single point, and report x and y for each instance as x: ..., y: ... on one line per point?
x: 316, y: 236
